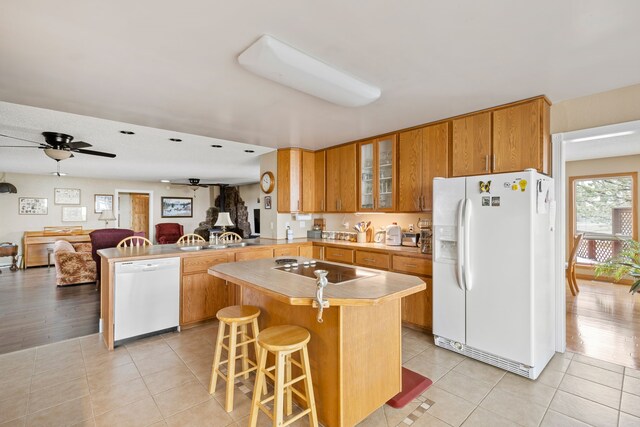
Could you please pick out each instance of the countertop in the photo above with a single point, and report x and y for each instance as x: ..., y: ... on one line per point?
x: 294, y: 289
x: 165, y: 251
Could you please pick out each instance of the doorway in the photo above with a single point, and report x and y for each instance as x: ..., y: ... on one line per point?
x: 134, y: 210
x: 596, y: 184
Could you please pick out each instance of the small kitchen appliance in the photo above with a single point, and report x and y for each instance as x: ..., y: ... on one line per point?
x: 426, y: 234
x: 394, y: 235
x: 410, y: 239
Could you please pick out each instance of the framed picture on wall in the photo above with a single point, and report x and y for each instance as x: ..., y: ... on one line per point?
x: 102, y: 202
x: 177, y: 207
x: 267, y: 202
x: 74, y: 214
x: 66, y: 196
x: 32, y: 206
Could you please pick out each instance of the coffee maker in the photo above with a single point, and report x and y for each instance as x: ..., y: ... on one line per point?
x: 426, y: 235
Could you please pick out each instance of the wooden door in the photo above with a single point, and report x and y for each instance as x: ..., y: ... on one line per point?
x: 318, y: 181
x: 472, y: 145
x: 348, y: 178
x: 333, y: 179
x: 140, y: 213
x: 410, y: 157
x: 288, y: 180
x: 435, y: 160
x: 417, y: 309
x: 516, y: 137
x: 307, y: 175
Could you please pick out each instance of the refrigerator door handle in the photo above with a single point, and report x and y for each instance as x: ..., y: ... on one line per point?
x: 466, y: 246
x: 460, y: 260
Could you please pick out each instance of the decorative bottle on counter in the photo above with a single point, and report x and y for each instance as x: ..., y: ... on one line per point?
x: 289, y: 234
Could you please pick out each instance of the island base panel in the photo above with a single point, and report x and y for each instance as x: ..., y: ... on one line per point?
x: 355, y: 354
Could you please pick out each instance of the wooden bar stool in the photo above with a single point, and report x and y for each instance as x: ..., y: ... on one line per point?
x: 283, y: 341
x: 236, y: 317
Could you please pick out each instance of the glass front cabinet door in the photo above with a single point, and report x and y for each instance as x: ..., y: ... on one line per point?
x: 377, y: 174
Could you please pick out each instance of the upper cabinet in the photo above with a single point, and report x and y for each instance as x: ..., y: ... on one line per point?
x: 472, y: 145
x: 319, y: 158
x: 377, y: 172
x: 289, y: 180
x: 341, y: 179
x: 423, y: 154
x: 506, y: 139
x: 521, y: 137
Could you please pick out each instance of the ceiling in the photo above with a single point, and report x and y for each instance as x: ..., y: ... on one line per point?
x: 172, y: 65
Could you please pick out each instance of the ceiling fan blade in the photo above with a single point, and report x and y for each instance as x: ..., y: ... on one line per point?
x: 22, y: 139
x: 77, y: 144
x: 93, y: 153
x: 18, y: 146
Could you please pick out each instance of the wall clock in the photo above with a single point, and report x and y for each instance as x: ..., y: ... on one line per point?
x: 267, y: 182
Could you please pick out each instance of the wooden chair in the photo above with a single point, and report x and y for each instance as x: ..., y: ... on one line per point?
x: 229, y: 237
x: 571, y: 265
x: 190, y: 238
x: 134, y: 241
x: 283, y: 341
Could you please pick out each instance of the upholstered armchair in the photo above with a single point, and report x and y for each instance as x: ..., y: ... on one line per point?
x: 106, y: 238
x: 74, y: 263
x: 168, y: 232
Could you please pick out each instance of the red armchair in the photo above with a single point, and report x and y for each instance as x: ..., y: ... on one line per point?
x: 168, y: 232
x: 106, y: 238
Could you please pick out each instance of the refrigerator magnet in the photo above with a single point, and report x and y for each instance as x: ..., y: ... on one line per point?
x: 495, y: 201
x: 486, y: 201
x: 485, y: 187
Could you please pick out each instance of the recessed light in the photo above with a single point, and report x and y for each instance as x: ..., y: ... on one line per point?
x: 216, y: 146
x: 164, y: 180
x: 249, y: 151
x: 59, y: 174
x: 127, y: 132
x: 175, y: 139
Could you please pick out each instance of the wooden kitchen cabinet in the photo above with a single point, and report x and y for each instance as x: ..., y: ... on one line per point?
x: 521, y: 137
x: 344, y: 256
x: 376, y: 172
x: 286, y: 251
x: 319, y: 203
x: 254, y: 254
x: 423, y: 154
x: 417, y: 309
x: 471, y: 145
x: 289, y: 180
x: 341, y: 179
x: 202, y: 294
x: 306, y: 251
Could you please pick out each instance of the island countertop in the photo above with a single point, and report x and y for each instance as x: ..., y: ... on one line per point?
x: 294, y: 289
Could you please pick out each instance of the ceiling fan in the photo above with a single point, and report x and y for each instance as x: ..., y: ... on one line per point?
x: 58, y: 146
x: 194, y: 184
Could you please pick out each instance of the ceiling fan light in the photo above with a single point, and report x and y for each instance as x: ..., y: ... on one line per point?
x: 57, y: 154
x: 277, y: 61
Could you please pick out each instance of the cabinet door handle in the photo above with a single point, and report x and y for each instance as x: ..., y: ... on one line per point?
x: 337, y: 254
x: 411, y: 265
x: 368, y: 259
x: 493, y: 158
x: 298, y: 204
x: 322, y: 205
x: 486, y: 162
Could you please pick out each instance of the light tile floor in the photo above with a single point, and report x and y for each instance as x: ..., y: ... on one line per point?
x: 163, y: 380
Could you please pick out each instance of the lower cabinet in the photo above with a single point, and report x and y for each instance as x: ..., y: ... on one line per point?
x: 318, y: 252
x: 417, y: 309
x: 286, y: 251
x: 257, y: 254
x: 202, y: 295
x: 345, y: 256
x: 306, y: 251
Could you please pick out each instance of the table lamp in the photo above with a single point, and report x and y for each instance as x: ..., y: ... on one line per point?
x: 224, y: 221
x: 106, y: 216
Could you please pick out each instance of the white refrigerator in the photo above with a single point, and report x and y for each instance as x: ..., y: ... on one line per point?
x: 493, y: 271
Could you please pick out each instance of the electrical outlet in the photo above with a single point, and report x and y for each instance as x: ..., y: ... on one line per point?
x: 302, y: 224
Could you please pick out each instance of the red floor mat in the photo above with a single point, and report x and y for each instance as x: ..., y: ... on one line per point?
x: 413, y: 385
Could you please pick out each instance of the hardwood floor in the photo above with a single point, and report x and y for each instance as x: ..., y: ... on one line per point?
x: 34, y: 311
x: 603, y: 321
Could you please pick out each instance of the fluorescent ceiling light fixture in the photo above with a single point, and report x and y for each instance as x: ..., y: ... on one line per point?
x: 165, y: 180
x: 606, y: 135
x: 277, y: 61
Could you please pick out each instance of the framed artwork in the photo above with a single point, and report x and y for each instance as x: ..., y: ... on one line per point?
x: 66, y: 196
x: 102, y: 202
x: 74, y: 214
x: 267, y: 202
x: 33, y: 206
x: 177, y: 207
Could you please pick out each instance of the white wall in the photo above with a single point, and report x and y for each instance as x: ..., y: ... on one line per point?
x: 12, y: 225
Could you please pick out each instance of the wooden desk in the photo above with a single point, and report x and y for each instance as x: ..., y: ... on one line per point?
x: 36, y: 243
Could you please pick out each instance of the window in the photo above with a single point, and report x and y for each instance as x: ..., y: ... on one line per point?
x: 604, y: 208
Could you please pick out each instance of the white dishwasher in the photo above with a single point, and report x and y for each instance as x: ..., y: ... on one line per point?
x: 147, y: 297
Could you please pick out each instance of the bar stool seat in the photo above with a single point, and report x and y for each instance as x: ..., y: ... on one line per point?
x: 236, y: 318
x: 283, y: 341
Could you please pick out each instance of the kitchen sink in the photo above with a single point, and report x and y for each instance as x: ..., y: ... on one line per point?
x: 240, y: 244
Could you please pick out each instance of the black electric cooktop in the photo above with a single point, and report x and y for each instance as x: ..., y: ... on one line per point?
x: 337, y: 273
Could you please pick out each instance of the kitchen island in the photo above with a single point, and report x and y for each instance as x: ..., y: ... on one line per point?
x: 356, y: 352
